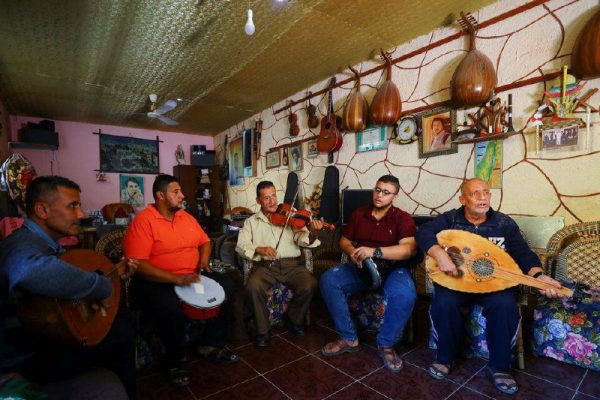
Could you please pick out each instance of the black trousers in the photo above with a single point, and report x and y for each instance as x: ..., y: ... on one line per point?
x: 160, y: 305
x: 51, y: 363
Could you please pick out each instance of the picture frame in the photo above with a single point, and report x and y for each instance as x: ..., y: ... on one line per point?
x: 560, y: 137
x: 436, y: 131
x: 236, y: 162
x: 295, y: 157
x: 311, y: 149
x: 128, y: 154
x: 373, y: 137
x: 273, y: 159
x: 131, y: 189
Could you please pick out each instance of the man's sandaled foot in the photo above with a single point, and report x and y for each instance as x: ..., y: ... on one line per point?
x: 214, y: 354
x: 391, y: 360
x: 340, y: 346
x: 179, y: 376
x: 503, y: 381
x: 438, y: 371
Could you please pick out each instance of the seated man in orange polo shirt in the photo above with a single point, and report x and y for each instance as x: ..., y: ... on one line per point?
x: 172, y: 248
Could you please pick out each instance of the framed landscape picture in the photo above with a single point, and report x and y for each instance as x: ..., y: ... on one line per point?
x: 128, y: 154
x: 273, y: 159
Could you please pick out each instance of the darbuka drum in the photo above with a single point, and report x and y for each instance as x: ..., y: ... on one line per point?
x: 369, y: 274
x: 201, y: 300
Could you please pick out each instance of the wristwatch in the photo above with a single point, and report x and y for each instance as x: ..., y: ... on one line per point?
x: 378, y: 253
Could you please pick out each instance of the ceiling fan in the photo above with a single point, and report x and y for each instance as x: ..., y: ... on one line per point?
x: 158, y: 112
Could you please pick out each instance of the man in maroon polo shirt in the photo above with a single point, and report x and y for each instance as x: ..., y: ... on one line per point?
x: 383, y: 233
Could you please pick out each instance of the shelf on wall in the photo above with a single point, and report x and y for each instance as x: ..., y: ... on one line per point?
x: 25, y: 145
x: 485, y: 138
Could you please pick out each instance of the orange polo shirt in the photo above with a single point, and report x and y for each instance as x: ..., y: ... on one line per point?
x: 169, y: 245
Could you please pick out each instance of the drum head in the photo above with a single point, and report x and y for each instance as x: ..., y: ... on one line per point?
x: 369, y: 274
x: 212, y: 297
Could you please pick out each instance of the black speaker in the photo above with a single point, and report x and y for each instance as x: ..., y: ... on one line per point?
x: 353, y: 199
x: 201, y: 157
x: 34, y: 133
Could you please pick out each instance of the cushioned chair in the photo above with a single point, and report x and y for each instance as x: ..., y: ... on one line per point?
x: 280, y: 295
x: 563, y: 330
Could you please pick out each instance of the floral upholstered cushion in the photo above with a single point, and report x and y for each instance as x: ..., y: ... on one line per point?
x: 475, y: 343
x: 367, y: 309
x: 567, y: 332
x: 277, y: 302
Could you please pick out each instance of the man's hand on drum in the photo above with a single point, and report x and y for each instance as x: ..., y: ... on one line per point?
x: 126, y: 267
x: 204, y: 267
x: 186, y: 279
x: 360, y: 254
x: 267, y: 252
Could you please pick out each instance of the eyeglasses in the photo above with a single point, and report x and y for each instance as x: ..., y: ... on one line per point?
x: 385, y: 192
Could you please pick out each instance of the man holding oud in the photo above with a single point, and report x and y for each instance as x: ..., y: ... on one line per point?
x: 30, y: 265
x: 499, y: 308
x: 172, y: 249
x: 275, y: 251
x: 383, y: 233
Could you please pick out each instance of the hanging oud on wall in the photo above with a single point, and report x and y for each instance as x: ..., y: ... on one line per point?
x: 330, y: 139
x: 356, y: 110
x: 474, y: 79
x: 484, y: 267
x: 585, y: 59
x: 69, y: 321
x: 386, y: 105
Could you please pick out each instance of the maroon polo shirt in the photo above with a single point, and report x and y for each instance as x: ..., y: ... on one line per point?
x: 365, y: 230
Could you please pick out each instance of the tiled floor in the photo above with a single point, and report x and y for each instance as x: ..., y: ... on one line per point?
x: 293, y: 368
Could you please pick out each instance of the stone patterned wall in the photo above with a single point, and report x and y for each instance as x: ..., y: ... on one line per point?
x: 558, y: 183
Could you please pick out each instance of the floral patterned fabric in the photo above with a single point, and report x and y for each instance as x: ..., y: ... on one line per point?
x: 278, y: 299
x: 567, y: 332
x: 367, y: 309
x: 475, y: 343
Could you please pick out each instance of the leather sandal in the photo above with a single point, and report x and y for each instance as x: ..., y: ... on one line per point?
x: 391, y: 360
x: 342, y: 347
x: 179, y: 376
x: 503, y: 381
x: 436, y: 373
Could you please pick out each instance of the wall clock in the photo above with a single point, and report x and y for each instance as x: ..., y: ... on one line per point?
x: 407, y: 130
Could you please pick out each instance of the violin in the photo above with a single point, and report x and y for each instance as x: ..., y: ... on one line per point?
x: 311, y: 110
x: 293, y: 120
x: 298, y: 219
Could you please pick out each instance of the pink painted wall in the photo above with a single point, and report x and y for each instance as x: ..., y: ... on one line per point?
x: 78, y: 156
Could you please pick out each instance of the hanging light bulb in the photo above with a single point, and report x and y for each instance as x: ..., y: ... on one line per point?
x: 249, y: 27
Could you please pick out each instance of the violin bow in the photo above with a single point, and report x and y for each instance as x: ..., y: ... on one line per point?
x: 287, y: 221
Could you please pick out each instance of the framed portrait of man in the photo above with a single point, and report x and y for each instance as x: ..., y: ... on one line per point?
x: 295, y: 157
x: 435, y: 131
x: 132, y: 190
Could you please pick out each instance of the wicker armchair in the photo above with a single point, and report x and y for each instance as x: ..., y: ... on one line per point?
x: 280, y: 295
x: 562, y: 330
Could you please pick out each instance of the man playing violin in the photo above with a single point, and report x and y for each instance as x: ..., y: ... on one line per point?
x: 499, y: 308
x: 30, y: 265
x: 275, y: 251
x: 173, y: 249
x: 381, y: 232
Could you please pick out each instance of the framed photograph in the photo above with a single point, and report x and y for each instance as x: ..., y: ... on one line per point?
x: 312, y: 151
x: 295, y: 157
x: 560, y: 137
x: 236, y: 162
x: 132, y: 190
x: 128, y: 154
x: 372, y: 138
x: 273, y: 159
x: 435, y: 129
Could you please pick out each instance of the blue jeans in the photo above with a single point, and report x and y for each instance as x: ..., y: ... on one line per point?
x: 399, y: 295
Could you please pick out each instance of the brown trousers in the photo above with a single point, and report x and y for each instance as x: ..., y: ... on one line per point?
x: 292, y: 273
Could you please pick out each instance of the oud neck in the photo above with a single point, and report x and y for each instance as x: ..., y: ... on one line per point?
x: 530, y: 281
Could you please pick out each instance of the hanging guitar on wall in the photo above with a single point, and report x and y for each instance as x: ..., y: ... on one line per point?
x: 386, y: 105
x: 356, y: 110
x: 585, y: 58
x: 474, y: 80
x: 330, y: 139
